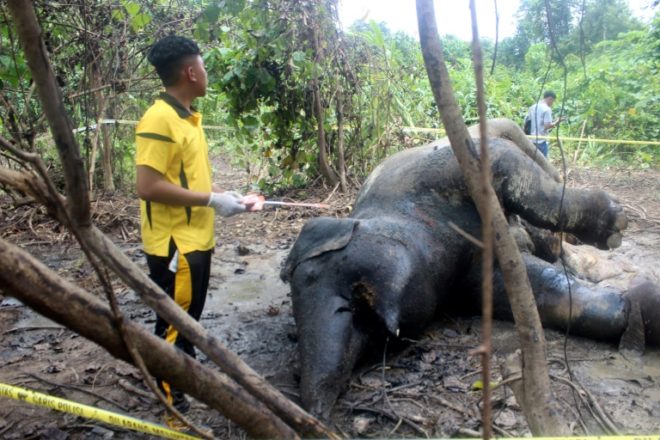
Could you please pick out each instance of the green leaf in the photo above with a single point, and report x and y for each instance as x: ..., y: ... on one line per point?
x: 228, y: 77
x: 250, y: 78
x: 212, y: 13
x: 250, y: 122
x: 202, y: 31
x: 298, y: 57
x: 132, y: 8
x: 235, y: 6
x: 6, y: 61
x: 118, y: 14
x: 140, y: 21
x: 225, y: 51
x: 266, y: 81
x: 268, y: 118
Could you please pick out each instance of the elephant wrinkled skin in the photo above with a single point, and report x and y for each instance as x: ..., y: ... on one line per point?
x: 397, y: 260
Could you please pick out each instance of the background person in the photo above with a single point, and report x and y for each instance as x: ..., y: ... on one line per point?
x: 540, y: 115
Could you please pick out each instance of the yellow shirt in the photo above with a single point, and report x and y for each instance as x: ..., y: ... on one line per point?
x: 170, y: 140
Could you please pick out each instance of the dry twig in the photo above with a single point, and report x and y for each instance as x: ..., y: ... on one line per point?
x: 79, y: 389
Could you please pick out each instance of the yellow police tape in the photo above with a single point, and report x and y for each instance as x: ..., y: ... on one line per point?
x: 601, y: 141
x: 90, y: 412
x: 424, y: 130
x: 562, y: 138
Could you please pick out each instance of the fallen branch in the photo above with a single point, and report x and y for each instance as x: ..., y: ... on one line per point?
x: 21, y: 329
x: 465, y: 412
x: 135, y: 390
x: 29, y: 280
x: 229, y: 362
x: 395, y: 418
x: 599, y: 413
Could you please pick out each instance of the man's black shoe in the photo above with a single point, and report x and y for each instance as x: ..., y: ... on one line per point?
x: 180, y: 401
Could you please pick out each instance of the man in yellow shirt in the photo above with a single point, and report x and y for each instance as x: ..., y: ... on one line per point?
x: 178, y: 199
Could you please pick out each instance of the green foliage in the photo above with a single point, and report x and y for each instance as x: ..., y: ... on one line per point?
x: 93, y: 45
x: 263, y: 61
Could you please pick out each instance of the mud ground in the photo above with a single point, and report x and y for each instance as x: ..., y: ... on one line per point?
x: 425, y: 389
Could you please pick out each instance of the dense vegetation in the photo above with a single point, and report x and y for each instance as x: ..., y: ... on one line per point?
x: 293, y: 96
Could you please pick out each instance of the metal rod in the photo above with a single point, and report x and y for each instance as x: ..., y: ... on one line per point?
x: 309, y: 205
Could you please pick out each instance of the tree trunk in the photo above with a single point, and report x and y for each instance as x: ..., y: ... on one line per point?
x: 229, y: 363
x: 341, y: 161
x: 536, y: 404
x: 108, y: 180
x: 95, y: 82
x: 324, y: 163
x: 52, y: 104
x: 112, y: 257
x: 46, y: 292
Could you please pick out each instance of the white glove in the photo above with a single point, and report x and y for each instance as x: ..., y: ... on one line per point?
x: 235, y: 194
x: 226, y: 203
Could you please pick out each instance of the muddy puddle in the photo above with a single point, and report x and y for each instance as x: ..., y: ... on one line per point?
x: 246, y: 282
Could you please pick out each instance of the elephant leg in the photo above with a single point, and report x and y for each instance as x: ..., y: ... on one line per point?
x: 644, y: 317
x: 631, y: 317
x: 597, y: 313
x: 525, y: 189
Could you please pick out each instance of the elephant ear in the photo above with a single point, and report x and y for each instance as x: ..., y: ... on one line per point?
x: 318, y: 236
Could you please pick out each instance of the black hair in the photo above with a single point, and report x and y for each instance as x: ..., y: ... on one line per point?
x: 168, y: 54
x: 549, y: 94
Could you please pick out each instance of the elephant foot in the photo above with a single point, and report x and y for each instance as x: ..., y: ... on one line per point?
x: 612, y: 222
x: 643, y: 327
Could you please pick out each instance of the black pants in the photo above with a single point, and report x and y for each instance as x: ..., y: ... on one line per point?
x: 187, y: 287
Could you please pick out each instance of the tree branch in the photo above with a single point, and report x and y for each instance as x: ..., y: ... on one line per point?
x: 486, y: 230
x: 536, y: 404
x: 44, y: 291
x: 51, y: 99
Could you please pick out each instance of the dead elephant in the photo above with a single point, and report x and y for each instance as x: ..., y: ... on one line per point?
x: 397, y: 261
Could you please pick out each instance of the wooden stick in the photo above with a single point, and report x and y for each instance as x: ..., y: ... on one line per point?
x: 28, y: 279
x: 537, y: 396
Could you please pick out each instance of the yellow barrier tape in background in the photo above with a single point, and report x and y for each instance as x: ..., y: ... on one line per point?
x: 409, y: 129
x: 562, y: 138
x: 90, y: 412
x: 600, y: 141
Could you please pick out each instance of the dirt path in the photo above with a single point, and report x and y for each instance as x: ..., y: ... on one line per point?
x: 423, y: 390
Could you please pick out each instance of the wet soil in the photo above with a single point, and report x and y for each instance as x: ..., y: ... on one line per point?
x: 428, y: 387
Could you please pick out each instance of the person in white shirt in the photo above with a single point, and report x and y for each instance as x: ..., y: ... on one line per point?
x: 540, y: 115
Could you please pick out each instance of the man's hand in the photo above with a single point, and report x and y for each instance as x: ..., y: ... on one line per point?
x: 227, y: 203
x: 253, y: 202
x: 558, y: 120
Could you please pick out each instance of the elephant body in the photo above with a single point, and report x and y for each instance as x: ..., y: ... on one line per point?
x: 398, y: 260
